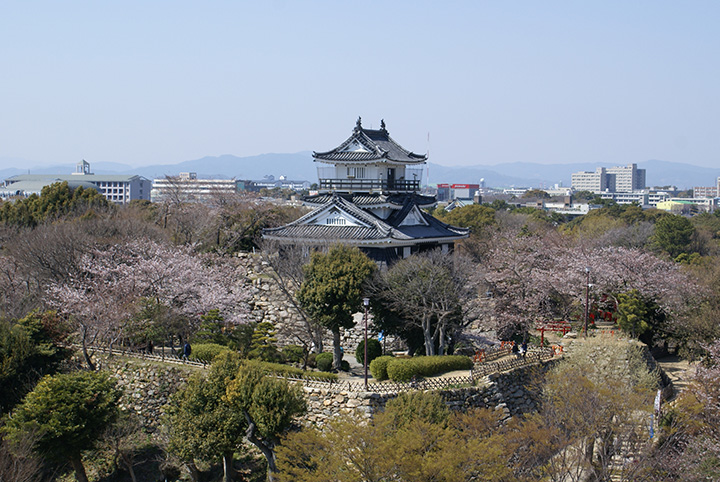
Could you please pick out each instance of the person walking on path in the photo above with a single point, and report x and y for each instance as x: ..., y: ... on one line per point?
x: 187, y: 349
x: 523, y: 348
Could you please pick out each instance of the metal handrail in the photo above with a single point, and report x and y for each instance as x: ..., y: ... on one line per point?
x: 369, y: 184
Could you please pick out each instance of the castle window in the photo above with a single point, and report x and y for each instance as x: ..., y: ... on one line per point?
x: 339, y: 221
x: 356, y: 172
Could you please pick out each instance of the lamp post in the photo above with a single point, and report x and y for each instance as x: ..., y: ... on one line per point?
x: 366, y: 303
x: 587, y: 298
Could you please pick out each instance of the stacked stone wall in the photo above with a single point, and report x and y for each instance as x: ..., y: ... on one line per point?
x: 147, y: 387
x: 270, y: 303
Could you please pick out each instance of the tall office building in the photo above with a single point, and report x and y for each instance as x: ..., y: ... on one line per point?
x: 614, y: 179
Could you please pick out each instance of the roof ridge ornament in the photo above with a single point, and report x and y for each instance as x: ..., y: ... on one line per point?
x: 358, y: 124
x: 382, y: 126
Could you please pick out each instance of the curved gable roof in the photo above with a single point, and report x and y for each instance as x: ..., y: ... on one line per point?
x: 368, y: 228
x: 366, y: 145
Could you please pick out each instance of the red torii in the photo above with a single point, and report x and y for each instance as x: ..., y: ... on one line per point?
x: 554, y: 326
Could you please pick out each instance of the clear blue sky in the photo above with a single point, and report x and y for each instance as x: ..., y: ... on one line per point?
x: 146, y: 82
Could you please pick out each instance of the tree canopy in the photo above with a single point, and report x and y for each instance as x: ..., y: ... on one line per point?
x: 333, y: 289
x: 54, y: 201
x: 673, y: 234
x: 29, y: 349
x: 474, y: 216
x: 69, y: 411
x: 414, y: 439
x: 425, y: 292
x: 202, y: 425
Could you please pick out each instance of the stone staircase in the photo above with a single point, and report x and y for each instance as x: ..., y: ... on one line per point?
x: 628, y: 450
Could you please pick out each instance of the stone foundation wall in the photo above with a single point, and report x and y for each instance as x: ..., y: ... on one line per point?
x: 513, y: 393
x: 270, y: 303
x: 147, y: 388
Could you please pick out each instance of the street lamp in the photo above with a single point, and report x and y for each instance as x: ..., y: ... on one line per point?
x: 587, y: 298
x: 366, y: 303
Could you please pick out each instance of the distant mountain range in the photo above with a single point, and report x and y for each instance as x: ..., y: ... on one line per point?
x: 299, y: 166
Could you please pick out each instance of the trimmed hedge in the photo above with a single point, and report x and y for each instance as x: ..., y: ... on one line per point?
x: 324, y: 361
x: 207, y: 352
x: 374, y: 350
x: 404, y: 369
x: 378, y: 367
x: 287, y: 370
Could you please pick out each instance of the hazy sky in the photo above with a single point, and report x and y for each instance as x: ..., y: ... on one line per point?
x: 475, y: 82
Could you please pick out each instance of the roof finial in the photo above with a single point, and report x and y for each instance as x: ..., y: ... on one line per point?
x: 358, y: 125
x: 382, y: 125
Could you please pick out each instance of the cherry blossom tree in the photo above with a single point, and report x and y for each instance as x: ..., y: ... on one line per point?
x: 111, y: 281
x: 523, y: 279
x: 535, y: 276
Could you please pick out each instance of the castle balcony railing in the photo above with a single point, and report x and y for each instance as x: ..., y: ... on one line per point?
x: 367, y: 185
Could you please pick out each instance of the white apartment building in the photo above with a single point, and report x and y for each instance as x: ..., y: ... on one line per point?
x: 188, y: 188
x: 614, y: 179
x: 626, y: 178
x: 712, y: 191
x: 589, y: 181
x: 646, y: 199
x: 117, y: 188
x: 641, y: 198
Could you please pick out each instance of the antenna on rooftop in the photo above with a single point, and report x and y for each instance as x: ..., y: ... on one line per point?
x: 427, y: 154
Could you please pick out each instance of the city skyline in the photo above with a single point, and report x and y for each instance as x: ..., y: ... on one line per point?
x: 473, y: 83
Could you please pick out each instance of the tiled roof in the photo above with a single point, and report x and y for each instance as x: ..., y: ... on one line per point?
x: 418, y: 199
x: 300, y: 229
x: 370, y: 200
x: 373, y: 145
x: 434, y: 229
x: 73, y: 177
x: 375, y: 230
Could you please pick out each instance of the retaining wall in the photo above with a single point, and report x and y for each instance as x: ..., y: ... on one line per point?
x: 147, y: 387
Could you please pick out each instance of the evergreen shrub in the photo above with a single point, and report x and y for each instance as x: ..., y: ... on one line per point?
x: 324, y: 361
x: 311, y: 360
x: 290, y: 371
x: 207, y: 352
x: 293, y: 353
x: 378, y: 367
x: 374, y: 350
x: 404, y: 369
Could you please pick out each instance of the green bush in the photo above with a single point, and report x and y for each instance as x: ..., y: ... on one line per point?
x: 207, y: 352
x: 344, y: 365
x: 374, y: 350
x: 404, y: 369
x: 290, y: 371
x: 324, y: 361
x: 378, y: 367
x: 411, y: 406
x: 311, y: 360
x: 293, y: 353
